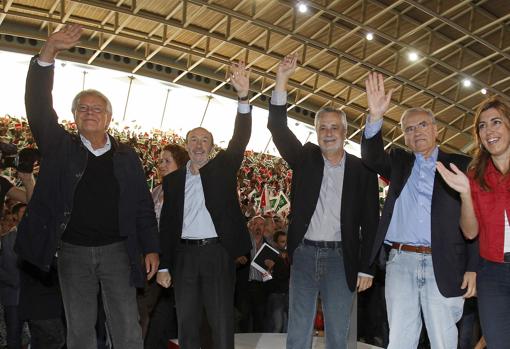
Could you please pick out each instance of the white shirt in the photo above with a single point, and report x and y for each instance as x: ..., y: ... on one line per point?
x: 197, y: 222
x: 98, y: 151
x: 325, y: 222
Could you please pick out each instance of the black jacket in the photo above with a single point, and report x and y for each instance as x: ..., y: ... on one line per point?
x: 360, y: 196
x: 64, y: 159
x: 452, y: 255
x: 219, y: 181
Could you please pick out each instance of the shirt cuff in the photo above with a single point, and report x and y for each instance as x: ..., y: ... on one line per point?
x: 243, y: 108
x: 279, y: 97
x: 163, y: 270
x: 366, y: 275
x: 43, y: 64
x: 371, y: 128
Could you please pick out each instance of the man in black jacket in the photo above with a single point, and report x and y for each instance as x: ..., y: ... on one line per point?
x: 431, y: 267
x: 203, y: 230
x: 91, y: 203
x: 334, y: 215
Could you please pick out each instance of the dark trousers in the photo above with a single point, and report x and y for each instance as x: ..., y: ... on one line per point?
x: 204, y: 278
x: 493, y: 286
x: 81, y: 271
x: 13, y: 326
x: 163, y: 322
x: 47, y: 334
x: 257, y: 302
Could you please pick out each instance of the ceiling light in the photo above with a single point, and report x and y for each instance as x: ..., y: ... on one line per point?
x: 370, y: 36
x: 413, y: 56
x: 302, y: 8
x: 466, y: 82
x: 483, y: 91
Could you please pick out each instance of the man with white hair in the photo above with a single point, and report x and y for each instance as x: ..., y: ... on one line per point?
x: 334, y: 215
x: 91, y: 203
x: 431, y: 266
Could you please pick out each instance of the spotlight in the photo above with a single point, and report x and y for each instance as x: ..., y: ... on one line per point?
x: 302, y: 7
x: 413, y: 56
x: 370, y: 36
x: 483, y: 91
x: 466, y: 83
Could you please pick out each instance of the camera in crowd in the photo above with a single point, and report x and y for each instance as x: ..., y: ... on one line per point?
x: 23, y: 161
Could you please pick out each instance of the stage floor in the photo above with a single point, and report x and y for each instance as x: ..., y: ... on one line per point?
x: 277, y: 341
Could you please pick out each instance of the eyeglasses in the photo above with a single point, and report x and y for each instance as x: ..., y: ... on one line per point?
x: 96, y: 109
x: 420, y: 126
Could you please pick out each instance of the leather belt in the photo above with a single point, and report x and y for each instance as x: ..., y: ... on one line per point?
x: 323, y: 244
x: 200, y: 242
x: 411, y: 248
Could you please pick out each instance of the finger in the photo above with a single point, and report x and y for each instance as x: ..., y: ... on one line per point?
x: 369, y: 84
x: 380, y: 82
x: 455, y: 168
x: 388, y: 96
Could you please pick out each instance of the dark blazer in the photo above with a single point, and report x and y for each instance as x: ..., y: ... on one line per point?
x: 219, y: 181
x: 360, y: 196
x: 64, y: 159
x: 452, y: 254
x: 9, y: 271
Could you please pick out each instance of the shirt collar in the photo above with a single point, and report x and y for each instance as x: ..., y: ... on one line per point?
x: 87, y: 143
x: 328, y: 164
x: 432, y: 158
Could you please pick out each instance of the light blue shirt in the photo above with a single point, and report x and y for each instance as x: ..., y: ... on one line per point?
x: 410, y: 222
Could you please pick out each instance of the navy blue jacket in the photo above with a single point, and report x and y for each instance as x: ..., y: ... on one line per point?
x: 64, y: 159
x: 452, y: 254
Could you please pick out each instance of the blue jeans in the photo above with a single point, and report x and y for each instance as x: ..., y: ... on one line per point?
x: 317, y: 270
x: 411, y: 291
x: 493, y: 284
x: 81, y: 270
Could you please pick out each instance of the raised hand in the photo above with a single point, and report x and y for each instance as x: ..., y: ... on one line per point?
x: 378, y: 100
x: 457, y: 180
x: 240, y: 78
x: 62, y: 40
x: 286, y: 68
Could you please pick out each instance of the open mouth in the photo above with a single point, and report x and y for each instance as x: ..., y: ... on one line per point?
x: 493, y: 140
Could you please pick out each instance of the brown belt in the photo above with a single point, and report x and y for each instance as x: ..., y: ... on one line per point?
x: 410, y: 248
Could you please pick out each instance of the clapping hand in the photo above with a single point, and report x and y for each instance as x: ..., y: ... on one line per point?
x: 456, y: 179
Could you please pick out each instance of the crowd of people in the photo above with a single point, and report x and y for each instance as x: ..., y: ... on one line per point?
x: 91, y: 257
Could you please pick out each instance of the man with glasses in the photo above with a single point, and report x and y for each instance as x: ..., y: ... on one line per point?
x: 92, y: 204
x: 431, y: 267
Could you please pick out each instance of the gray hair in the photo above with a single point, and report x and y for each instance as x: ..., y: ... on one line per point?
x: 92, y: 92
x: 340, y: 113
x: 410, y: 111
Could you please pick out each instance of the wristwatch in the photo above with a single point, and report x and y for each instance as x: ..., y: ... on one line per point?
x: 245, y: 98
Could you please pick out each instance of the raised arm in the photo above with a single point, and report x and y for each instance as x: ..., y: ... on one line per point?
x: 287, y: 143
x: 372, y: 147
x: 38, y: 99
x: 240, y: 79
